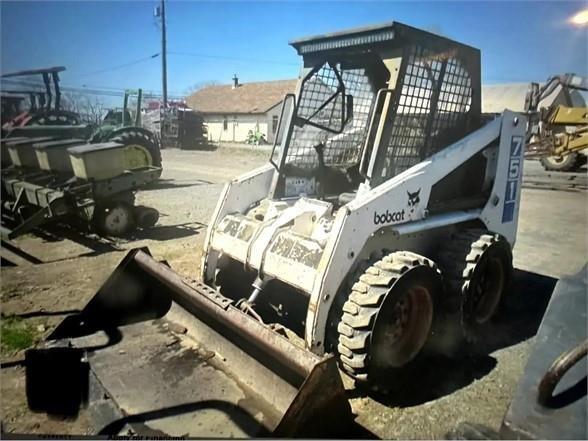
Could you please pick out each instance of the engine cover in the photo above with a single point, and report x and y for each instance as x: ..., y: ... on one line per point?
x: 283, y: 240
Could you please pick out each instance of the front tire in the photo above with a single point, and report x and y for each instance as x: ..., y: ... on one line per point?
x: 568, y: 162
x: 388, y: 316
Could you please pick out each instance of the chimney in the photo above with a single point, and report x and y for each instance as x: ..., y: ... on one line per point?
x: 235, y: 81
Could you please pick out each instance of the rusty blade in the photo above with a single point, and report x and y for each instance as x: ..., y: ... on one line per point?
x: 202, y: 299
x: 226, y: 374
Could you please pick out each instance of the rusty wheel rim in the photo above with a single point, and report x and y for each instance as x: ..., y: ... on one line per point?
x: 117, y: 220
x: 556, y: 159
x: 407, y: 327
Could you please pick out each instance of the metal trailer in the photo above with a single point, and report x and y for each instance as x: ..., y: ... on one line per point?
x: 183, y: 128
x: 45, y: 184
x: 34, y: 198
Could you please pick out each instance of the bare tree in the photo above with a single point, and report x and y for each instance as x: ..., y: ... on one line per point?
x: 90, y: 108
x: 201, y: 85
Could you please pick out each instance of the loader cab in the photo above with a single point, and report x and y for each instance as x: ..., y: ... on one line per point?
x: 370, y: 104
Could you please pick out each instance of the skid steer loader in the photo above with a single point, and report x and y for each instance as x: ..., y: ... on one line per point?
x: 381, y: 231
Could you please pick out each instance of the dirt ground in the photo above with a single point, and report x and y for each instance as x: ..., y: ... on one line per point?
x: 475, y: 388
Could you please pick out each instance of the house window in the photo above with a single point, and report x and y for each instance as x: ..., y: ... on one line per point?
x: 274, y: 123
x: 225, y: 123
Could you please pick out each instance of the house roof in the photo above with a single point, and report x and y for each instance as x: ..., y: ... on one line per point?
x: 261, y: 96
x: 256, y: 97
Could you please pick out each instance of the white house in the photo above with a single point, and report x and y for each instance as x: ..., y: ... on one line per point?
x: 231, y: 111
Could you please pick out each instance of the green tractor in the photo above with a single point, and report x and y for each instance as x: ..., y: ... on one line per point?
x: 142, y: 147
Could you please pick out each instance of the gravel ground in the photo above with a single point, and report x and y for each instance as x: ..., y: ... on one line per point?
x: 476, y: 387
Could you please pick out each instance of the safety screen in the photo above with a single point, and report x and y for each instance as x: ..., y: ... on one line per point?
x: 340, y: 149
x: 435, y: 96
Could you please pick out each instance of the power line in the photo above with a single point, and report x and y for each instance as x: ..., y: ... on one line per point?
x: 120, y: 66
x: 224, y: 57
x: 92, y: 90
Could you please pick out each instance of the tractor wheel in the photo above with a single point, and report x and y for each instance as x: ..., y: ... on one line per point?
x: 388, y: 316
x: 477, y: 267
x: 141, y: 147
x: 568, y: 162
x: 146, y: 217
x: 115, y: 219
x: 54, y: 118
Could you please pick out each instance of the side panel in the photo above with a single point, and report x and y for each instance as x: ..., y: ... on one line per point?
x: 238, y: 195
x: 401, y: 200
x: 501, y: 214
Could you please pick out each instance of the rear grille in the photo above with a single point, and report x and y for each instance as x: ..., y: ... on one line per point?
x: 435, y: 96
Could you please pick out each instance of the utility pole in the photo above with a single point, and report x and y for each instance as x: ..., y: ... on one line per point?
x: 163, y: 54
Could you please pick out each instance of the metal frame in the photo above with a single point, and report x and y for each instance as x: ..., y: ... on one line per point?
x: 284, y: 103
x: 339, y: 239
x: 54, y: 200
x: 351, y: 233
x: 450, y: 70
x: 49, y: 75
x: 301, y: 121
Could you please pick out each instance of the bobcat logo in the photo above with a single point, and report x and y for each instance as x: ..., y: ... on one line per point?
x: 413, y: 198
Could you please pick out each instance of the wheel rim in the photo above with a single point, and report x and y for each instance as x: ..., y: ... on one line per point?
x: 488, y: 289
x: 404, y: 331
x: 555, y: 159
x: 117, y: 220
x: 137, y: 156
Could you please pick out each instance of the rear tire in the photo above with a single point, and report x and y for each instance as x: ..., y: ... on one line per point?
x: 477, y: 268
x: 137, y: 136
x: 568, y: 162
x: 145, y: 217
x: 388, y: 316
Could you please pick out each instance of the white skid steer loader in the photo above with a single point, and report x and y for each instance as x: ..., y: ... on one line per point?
x: 385, y: 218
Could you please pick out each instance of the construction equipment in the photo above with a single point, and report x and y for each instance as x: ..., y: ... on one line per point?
x: 558, y: 122
x: 380, y: 232
x: 182, y: 127
x: 142, y: 146
x: 44, y: 108
x: 51, y: 180
x: 80, y: 172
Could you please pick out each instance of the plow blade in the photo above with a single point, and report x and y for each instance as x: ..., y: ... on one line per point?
x: 152, y: 354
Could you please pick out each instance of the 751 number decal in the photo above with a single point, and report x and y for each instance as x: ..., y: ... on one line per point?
x: 514, y: 173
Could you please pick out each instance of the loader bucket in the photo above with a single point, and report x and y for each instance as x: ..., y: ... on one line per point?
x: 155, y: 355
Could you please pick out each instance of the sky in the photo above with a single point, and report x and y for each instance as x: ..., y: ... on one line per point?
x: 109, y: 44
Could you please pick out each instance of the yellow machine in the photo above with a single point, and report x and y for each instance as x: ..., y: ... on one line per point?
x: 558, y: 133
